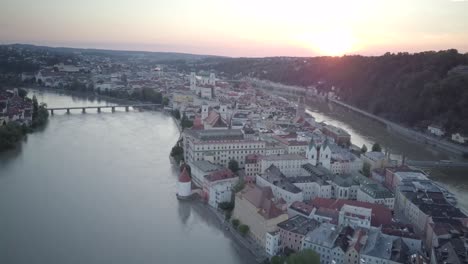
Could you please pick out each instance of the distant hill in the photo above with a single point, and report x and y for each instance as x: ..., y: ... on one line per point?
x: 413, y: 89
x: 158, y: 56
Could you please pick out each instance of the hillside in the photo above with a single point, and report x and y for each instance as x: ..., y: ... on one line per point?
x: 413, y: 89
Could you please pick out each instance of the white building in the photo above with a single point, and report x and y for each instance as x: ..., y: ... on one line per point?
x: 436, y: 130
x: 200, y: 169
x: 280, y: 186
x: 289, y: 164
x: 217, y: 187
x: 376, y: 193
x: 219, y: 146
x: 355, y: 216
x: 312, y: 187
x: 184, y: 185
x: 322, y: 240
x: 459, y: 138
x: 272, y: 243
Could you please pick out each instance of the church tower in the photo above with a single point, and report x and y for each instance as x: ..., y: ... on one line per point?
x: 300, y: 111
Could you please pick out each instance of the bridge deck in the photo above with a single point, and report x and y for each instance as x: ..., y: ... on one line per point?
x: 101, y: 106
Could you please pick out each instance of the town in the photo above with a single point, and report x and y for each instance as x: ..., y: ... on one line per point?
x: 283, y: 181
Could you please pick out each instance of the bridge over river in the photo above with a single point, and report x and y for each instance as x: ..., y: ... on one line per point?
x: 98, y: 108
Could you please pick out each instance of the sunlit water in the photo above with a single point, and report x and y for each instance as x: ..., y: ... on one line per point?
x: 99, y: 188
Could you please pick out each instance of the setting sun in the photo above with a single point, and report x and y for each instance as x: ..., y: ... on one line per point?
x: 330, y: 43
x: 334, y: 43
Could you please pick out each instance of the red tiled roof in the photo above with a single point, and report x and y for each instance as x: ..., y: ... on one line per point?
x: 220, y: 175
x: 381, y: 215
x: 184, y: 176
x: 261, y: 198
x: 197, y: 123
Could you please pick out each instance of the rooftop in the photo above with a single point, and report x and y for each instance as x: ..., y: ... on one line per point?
x: 274, y: 176
x: 205, y: 166
x: 299, y: 225
x: 283, y: 157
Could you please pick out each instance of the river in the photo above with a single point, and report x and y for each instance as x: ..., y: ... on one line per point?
x: 99, y: 188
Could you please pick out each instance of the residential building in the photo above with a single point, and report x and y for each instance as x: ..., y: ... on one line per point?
x: 279, y: 184
x: 217, y: 187
x: 201, y: 168
x: 272, y: 243
x: 219, y: 146
x: 340, y: 136
x: 460, y: 138
x: 376, y: 193
x: 289, y: 164
x: 322, y: 240
x: 354, y: 212
x: 293, y: 230
x: 252, y: 165
x: 255, y: 207
x: 422, y: 202
x: 375, y: 159
x: 436, y: 130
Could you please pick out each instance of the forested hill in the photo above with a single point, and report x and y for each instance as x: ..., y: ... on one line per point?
x: 414, y: 89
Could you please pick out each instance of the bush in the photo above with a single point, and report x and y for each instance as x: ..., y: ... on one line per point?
x: 226, y: 206
x: 244, y: 229
x: 228, y: 215
x: 366, y: 169
x: 233, y: 165
x: 235, y: 223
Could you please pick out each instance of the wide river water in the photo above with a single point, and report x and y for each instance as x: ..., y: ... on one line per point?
x: 99, y: 188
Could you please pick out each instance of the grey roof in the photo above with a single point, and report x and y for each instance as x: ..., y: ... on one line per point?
x: 205, y: 166
x: 306, y: 179
x: 284, y: 157
x: 325, y: 235
x: 274, y: 176
x: 299, y: 225
x: 375, y: 155
x: 376, y: 191
x: 216, y: 134
x: 348, y: 180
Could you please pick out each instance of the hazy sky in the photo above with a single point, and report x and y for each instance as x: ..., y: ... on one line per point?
x: 240, y: 27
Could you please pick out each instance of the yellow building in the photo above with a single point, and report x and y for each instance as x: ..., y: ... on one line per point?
x: 255, y: 208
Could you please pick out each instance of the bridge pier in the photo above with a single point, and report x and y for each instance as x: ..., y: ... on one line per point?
x: 68, y: 110
x: 113, y: 109
x: 51, y: 111
x: 84, y: 110
x: 99, y: 109
x: 126, y: 109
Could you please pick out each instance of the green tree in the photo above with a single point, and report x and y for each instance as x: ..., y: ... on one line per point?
x: 176, y: 113
x: 165, y: 101
x: 364, y: 149
x: 226, y: 206
x: 366, y: 169
x: 376, y: 147
x: 22, y: 92
x: 185, y: 122
x: 233, y: 165
x: 244, y: 229
x: 235, y: 223
x: 10, y: 134
x: 228, y: 215
x: 306, y: 256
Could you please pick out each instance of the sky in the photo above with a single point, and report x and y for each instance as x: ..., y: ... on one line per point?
x: 240, y: 28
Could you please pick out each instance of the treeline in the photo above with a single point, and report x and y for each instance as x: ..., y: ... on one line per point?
x: 413, y: 89
x: 13, y: 132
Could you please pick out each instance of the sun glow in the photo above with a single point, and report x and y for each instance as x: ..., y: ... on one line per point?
x: 330, y: 43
